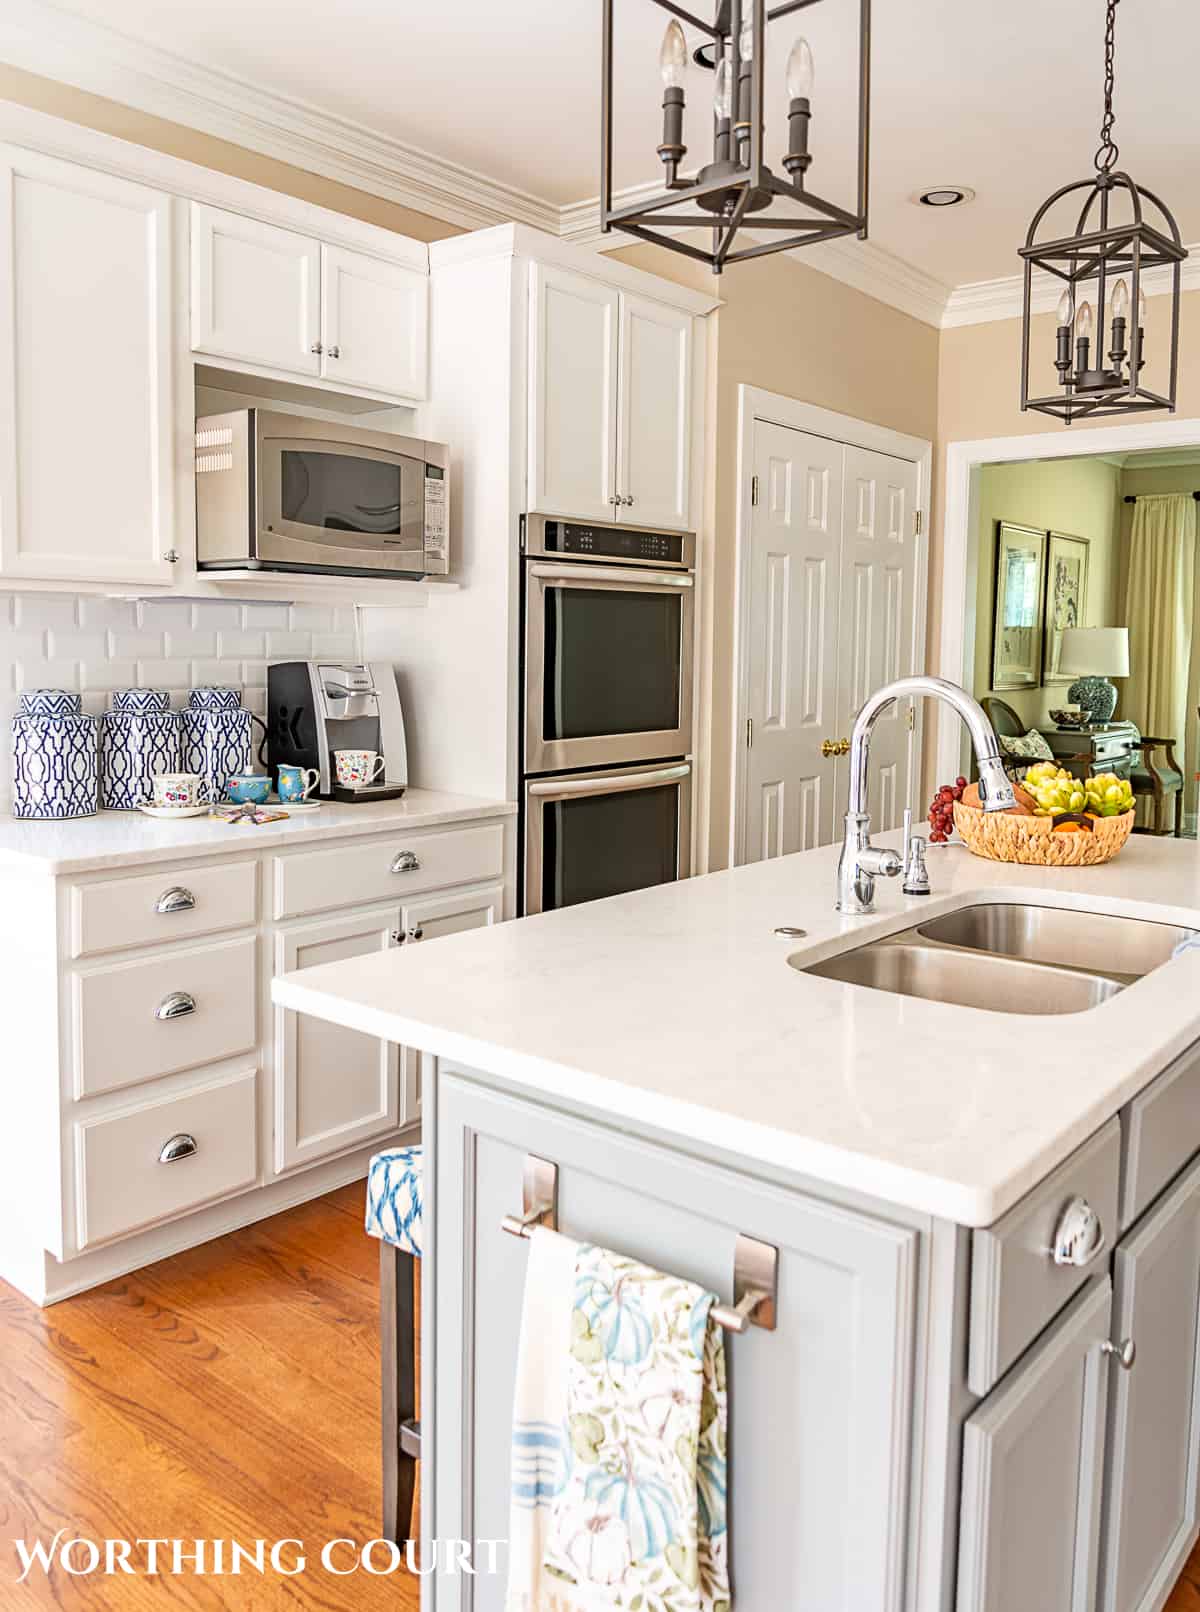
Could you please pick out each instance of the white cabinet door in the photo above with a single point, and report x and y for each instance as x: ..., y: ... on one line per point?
x: 255, y: 292
x: 879, y: 630
x: 374, y: 323
x: 87, y: 370
x: 334, y: 1088
x: 654, y: 413
x: 573, y: 394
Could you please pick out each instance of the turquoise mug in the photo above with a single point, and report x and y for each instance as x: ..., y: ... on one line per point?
x: 245, y: 787
x: 297, y: 783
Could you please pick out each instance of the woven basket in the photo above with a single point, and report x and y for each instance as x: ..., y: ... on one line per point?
x: 1006, y: 837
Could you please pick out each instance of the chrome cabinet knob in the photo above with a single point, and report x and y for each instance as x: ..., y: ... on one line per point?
x: 334, y: 352
x: 176, y: 899
x: 176, y: 1006
x: 179, y: 1146
x: 1079, y: 1236
x: 171, y: 556
x: 629, y: 500
x: 404, y: 937
x: 316, y: 348
x: 1124, y: 1353
x: 405, y: 862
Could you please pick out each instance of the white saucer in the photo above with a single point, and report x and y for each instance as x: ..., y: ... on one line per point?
x: 173, y: 811
x: 296, y: 805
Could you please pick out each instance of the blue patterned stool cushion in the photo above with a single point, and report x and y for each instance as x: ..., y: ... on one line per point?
x: 394, y: 1198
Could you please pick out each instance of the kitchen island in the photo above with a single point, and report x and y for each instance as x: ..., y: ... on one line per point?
x: 943, y: 1416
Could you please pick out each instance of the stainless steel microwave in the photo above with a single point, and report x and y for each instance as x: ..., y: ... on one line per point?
x: 283, y: 492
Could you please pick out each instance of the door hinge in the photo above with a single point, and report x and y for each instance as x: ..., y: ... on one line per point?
x: 749, y: 731
x: 753, y: 491
x: 918, y: 521
x: 912, y: 716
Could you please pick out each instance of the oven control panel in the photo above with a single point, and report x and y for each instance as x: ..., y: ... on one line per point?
x: 614, y: 543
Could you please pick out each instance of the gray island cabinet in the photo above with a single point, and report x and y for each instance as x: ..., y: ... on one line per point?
x: 944, y: 1419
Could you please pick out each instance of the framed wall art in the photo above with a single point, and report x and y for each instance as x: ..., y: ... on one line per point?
x: 1018, y: 628
x: 1066, y: 596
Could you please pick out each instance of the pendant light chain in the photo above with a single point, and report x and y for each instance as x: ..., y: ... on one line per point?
x: 1108, y: 151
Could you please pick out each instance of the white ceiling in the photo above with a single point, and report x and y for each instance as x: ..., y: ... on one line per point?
x: 1003, y: 98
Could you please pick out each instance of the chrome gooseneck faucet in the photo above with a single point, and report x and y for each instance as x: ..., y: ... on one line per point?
x: 861, y: 863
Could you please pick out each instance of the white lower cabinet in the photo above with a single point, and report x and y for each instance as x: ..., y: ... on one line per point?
x: 819, y: 1408
x: 1154, y: 1410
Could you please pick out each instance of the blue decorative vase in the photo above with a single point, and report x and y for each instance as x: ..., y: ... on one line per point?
x: 1097, y: 696
x: 138, y: 738
x: 216, y: 738
x: 54, y: 756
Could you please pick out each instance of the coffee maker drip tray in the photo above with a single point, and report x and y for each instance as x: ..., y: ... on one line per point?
x: 367, y: 792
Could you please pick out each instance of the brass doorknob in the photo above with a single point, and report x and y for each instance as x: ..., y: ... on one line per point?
x: 835, y: 747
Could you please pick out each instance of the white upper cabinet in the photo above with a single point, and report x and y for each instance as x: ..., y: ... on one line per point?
x: 255, y: 292
x: 87, y: 484
x: 573, y: 394
x: 271, y: 300
x: 654, y: 392
x: 610, y: 394
x: 374, y: 322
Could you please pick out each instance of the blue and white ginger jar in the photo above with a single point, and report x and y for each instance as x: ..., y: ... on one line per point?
x: 216, y: 738
x: 138, y: 738
x: 55, y: 772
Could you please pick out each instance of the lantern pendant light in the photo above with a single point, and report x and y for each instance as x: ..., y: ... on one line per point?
x: 1121, y: 231
x: 736, y: 188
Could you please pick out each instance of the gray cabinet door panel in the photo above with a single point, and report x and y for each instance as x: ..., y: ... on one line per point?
x: 820, y: 1409
x: 1154, y: 1425
x: 1033, y: 1456
x: 1160, y: 1134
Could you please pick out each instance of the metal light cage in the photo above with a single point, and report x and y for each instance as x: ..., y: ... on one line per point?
x: 752, y: 185
x: 1098, y: 251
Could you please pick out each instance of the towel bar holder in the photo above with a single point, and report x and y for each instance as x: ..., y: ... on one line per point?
x: 755, y: 1264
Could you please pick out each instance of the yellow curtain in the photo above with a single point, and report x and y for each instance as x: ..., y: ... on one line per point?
x: 1158, y: 612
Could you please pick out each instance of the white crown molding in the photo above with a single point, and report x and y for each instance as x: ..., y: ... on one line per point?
x: 985, y: 301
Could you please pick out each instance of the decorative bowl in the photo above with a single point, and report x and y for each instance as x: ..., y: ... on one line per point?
x: 1070, y: 719
x: 248, y: 786
x: 1017, y: 837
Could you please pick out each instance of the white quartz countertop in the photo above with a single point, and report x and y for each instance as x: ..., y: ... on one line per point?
x: 676, y: 1007
x: 117, y: 839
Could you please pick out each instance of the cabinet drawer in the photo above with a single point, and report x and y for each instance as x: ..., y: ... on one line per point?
x: 316, y: 881
x: 1161, y: 1134
x: 174, y: 905
x: 122, y: 1183
x: 135, y: 1021
x: 1016, y: 1288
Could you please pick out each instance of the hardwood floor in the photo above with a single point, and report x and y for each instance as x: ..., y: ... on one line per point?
x: 229, y: 1393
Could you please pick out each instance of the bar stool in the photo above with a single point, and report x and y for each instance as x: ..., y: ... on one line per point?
x: 394, y: 1204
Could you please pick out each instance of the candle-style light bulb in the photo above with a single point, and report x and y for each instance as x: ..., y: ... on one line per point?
x: 800, y: 71
x: 1141, y: 306
x: 672, y: 58
x: 746, y: 37
x: 723, y: 91
x: 1120, y: 300
x: 1083, y: 322
x: 1066, y: 309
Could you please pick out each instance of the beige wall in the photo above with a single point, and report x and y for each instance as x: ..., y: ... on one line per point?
x: 1081, y: 497
x: 788, y: 328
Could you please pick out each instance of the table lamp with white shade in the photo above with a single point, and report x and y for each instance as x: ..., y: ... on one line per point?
x: 1093, y: 655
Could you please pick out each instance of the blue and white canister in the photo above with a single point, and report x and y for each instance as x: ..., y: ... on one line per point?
x: 55, y: 771
x: 217, y: 737
x: 139, y: 737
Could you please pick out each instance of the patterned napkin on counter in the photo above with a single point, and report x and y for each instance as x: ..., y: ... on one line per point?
x: 623, y: 1504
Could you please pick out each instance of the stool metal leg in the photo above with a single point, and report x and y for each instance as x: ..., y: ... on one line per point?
x: 398, y: 1359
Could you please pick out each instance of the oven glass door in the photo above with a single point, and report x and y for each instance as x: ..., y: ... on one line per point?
x: 587, y: 837
x: 322, y: 499
x: 608, y: 665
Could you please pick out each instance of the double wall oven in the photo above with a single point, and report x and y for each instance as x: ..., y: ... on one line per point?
x: 609, y: 627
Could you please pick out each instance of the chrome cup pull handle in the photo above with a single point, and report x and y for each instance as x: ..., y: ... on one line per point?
x: 405, y: 862
x: 176, y: 899
x: 1079, y: 1236
x: 179, y: 1146
x: 177, y: 1005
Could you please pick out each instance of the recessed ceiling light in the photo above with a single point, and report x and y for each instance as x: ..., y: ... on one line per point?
x: 943, y: 195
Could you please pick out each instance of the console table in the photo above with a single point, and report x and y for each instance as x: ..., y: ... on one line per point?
x: 1082, y: 751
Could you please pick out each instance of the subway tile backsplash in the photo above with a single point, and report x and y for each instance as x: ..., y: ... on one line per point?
x: 60, y: 640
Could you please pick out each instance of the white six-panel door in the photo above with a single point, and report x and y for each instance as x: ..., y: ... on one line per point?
x: 573, y: 333
x: 833, y: 578
x: 255, y: 292
x: 654, y: 413
x: 794, y: 591
x: 87, y: 367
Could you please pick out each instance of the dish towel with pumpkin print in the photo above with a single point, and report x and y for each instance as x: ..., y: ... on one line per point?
x: 630, y: 1481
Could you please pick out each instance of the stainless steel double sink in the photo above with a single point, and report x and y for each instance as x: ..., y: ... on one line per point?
x: 1009, y: 958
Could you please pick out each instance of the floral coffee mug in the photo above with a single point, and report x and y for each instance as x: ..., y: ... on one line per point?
x: 297, y: 783
x: 176, y: 789
x: 358, y: 768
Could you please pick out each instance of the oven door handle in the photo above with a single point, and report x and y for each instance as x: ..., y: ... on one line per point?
x: 610, y: 785
x: 578, y: 576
